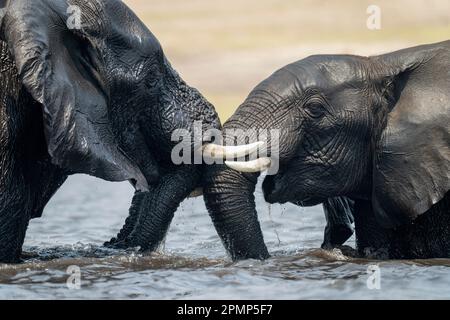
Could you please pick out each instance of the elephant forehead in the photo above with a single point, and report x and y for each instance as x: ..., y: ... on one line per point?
x: 334, y: 68
x: 282, y: 83
x: 318, y: 71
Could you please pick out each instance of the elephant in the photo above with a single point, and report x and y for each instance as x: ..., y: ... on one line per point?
x: 368, y: 137
x: 86, y: 88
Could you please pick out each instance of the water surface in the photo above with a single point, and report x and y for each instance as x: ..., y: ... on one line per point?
x: 192, y: 263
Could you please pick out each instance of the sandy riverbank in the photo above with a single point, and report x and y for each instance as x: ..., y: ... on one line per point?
x: 225, y: 48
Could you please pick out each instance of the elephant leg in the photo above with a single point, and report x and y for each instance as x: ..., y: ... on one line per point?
x: 428, y: 236
x: 152, y: 212
x: 15, y: 204
x: 13, y: 225
x: 28, y: 191
x: 339, y: 217
x: 372, y: 240
x: 44, y: 181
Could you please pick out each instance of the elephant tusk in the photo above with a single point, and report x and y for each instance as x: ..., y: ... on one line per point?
x: 196, y: 193
x: 215, y: 151
x: 257, y: 165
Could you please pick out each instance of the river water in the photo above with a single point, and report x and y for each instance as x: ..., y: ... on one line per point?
x: 193, y: 264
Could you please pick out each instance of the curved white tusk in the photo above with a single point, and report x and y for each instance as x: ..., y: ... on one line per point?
x: 197, y: 192
x: 216, y: 151
x: 257, y: 165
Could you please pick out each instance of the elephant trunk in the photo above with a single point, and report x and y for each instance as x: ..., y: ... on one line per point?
x: 229, y: 198
x: 151, y: 212
x: 229, y: 188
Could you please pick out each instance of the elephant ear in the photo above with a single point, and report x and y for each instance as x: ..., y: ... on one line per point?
x: 57, y: 67
x: 412, y: 161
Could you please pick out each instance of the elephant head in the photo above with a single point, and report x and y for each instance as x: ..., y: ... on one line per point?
x: 350, y: 127
x: 110, y: 101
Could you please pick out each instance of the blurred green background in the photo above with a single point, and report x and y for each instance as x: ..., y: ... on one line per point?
x: 225, y: 48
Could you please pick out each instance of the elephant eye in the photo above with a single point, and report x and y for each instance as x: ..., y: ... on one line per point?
x: 314, y: 109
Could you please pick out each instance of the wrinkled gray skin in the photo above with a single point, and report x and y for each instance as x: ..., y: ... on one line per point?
x: 101, y: 100
x: 367, y: 137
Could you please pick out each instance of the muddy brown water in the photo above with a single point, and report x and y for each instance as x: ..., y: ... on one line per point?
x: 192, y: 263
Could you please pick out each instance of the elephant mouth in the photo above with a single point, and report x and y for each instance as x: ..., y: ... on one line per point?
x: 274, y: 191
x: 308, y: 201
